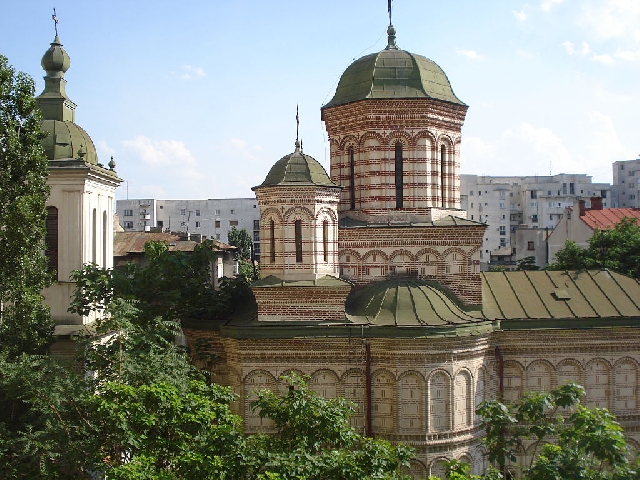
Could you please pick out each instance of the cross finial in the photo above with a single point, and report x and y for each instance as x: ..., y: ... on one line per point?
x: 389, y: 10
x: 54, y: 17
x: 297, y: 123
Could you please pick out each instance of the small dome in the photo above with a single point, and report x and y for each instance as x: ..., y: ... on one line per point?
x: 393, y: 74
x: 403, y: 302
x: 68, y: 141
x: 297, y: 169
x: 56, y: 60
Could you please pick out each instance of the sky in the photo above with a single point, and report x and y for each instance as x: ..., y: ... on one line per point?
x: 197, y: 99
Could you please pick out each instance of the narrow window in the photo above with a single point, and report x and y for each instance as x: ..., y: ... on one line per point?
x: 94, y: 228
x: 51, y: 241
x: 352, y: 179
x: 399, y: 193
x: 104, y: 239
x: 325, y: 240
x: 298, y: 233
x: 443, y: 160
x: 272, y: 240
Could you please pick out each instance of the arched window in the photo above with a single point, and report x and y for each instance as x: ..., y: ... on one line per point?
x: 94, y: 229
x: 443, y: 174
x: 399, y: 193
x: 104, y: 239
x: 298, y: 234
x: 272, y: 241
x: 352, y: 179
x: 325, y: 240
x: 51, y: 240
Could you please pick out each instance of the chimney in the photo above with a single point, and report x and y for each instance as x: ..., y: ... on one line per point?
x: 596, y: 203
x: 581, y: 203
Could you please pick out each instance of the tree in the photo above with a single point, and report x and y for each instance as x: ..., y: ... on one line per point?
x: 617, y: 249
x: 313, y: 440
x: 561, y: 438
x: 527, y: 263
x: 25, y: 325
x: 239, y: 237
x: 247, y: 269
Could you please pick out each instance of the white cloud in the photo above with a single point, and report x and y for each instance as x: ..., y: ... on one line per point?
x: 546, y: 5
x: 190, y: 72
x: 604, y: 58
x: 239, y: 149
x: 628, y: 55
x: 161, y: 153
x: 612, y: 18
x: 569, y: 47
x: 604, y: 144
x: 470, y: 54
x: 104, y: 149
x: 524, y: 54
x: 521, y: 15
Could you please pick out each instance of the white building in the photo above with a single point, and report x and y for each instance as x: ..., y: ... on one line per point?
x: 211, y: 218
x: 626, y: 184
x: 507, y: 203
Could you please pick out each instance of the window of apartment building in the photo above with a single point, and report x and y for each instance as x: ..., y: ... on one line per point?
x: 632, y: 173
x: 472, y: 205
x: 531, y: 246
x: 534, y: 218
x: 471, y: 217
x: 471, y: 193
x: 504, y: 217
x: 183, y: 211
x: 572, y: 189
x: 217, y: 236
x: 217, y: 212
x: 161, y: 207
x: 534, y: 194
x: 256, y: 224
x: 255, y: 206
x: 502, y: 205
x: 256, y: 236
x: 631, y: 185
x: 621, y: 167
x: 233, y: 223
x: 603, y: 194
x: 197, y: 213
x: 548, y: 192
x: 160, y: 224
x: 217, y: 224
x: 511, y: 194
x: 503, y: 230
x: 564, y: 188
x: 503, y: 242
x: 479, y: 193
x: 233, y: 212
x: 501, y: 193
x: 128, y: 213
x: 128, y: 224
x: 197, y: 224
x: 632, y: 197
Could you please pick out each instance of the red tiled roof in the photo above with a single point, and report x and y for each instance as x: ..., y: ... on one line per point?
x: 126, y: 243
x: 607, y: 218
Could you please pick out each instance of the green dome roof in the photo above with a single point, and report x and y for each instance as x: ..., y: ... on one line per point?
x: 297, y: 169
x: 68, y: 141
x: 393, y: 74
x: 403, y: 302
x: 56, y: 61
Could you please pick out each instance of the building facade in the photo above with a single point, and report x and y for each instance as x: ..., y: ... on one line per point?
x: 507, y: 204
x: 626, y: 184
x: 212, y: 218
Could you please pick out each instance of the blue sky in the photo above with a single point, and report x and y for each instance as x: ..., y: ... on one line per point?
x: 197, y: 99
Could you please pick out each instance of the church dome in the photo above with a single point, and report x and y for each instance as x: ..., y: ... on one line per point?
x: 404, y: 302
x: 66, y: 140
x: 56, y: 60
x: 393, y: 74
x: 297, y: 169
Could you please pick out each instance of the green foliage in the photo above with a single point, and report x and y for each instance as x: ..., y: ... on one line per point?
x: 239, y: 237
x: 527, y: 263
x: 563, y: 438
x: 25, y: 325
x: 497, y: 268
x: 617, y: 249
x: 314, y: 440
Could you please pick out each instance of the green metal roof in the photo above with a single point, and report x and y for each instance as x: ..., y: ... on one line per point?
x: 326, y: 281
x: 393, y: 74
x: 403, y: 302
x: 297, y: 169
x: 66, y: 140
x: 447, y: 221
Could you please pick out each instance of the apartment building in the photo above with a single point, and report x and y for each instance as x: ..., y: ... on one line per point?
x: 626, y: 184
x: 509, y: 204
x: 211, y: 218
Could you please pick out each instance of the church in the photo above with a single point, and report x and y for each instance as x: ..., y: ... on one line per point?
x: 371, y: 284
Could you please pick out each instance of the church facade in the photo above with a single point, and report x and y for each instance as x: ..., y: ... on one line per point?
x: 371, y: 284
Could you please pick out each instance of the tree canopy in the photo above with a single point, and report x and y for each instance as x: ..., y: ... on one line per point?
x: 25, y: 324
x: 617, y: 249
